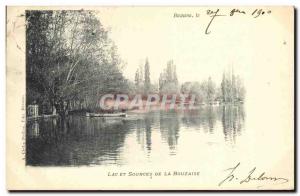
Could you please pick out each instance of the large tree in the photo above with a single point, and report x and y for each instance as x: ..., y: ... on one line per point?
x: 70, y: 57
x: 168, y: 81
x: 232, y: 88
x: 147, y: 83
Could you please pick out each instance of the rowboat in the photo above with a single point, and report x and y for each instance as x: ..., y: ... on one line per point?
x: 106, y: 115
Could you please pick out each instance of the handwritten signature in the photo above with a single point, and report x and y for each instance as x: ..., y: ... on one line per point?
x: 252, y: 175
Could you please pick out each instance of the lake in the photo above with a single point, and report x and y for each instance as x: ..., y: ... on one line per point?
x: 156, y: 137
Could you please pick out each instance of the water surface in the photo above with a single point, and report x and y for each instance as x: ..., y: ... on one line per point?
x: 150, y: 138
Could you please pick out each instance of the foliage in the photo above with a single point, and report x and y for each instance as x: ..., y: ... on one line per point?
x: 168, y: 82
x: 232, y: 89
x: 70, y: 57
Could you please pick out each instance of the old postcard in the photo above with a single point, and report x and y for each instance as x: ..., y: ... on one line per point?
x: 150, y: 98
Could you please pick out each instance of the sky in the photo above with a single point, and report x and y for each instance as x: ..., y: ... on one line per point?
x: 241, y: 42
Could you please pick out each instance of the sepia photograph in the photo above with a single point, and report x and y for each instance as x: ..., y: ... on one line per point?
x: 150, y: 98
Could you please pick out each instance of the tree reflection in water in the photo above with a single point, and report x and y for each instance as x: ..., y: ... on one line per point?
x: 75, y: 141
x: 84, y: 141
x: 169, y: 128
x: 232, y: 121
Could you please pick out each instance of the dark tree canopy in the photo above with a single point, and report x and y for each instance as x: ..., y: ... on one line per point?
x: 69, y: 57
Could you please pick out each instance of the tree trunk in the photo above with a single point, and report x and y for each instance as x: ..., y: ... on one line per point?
x: 62, y: 109
x: 53, y: 110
